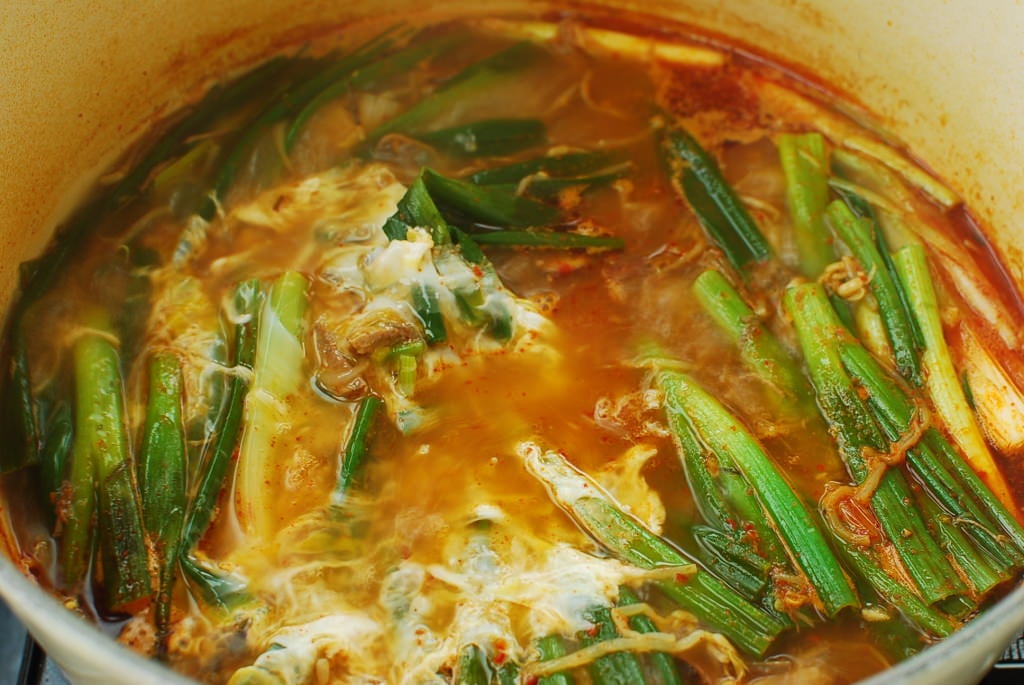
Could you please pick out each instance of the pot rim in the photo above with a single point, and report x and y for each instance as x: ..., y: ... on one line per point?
x: 1005, y: 617
x: 98, y: 651
x: 95, y: 652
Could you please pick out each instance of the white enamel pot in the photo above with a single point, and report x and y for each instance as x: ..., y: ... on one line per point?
x: 81, y: 79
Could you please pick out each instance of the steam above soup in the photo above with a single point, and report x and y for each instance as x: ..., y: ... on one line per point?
x: 512, y: 351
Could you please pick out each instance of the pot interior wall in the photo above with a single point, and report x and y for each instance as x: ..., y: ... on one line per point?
x: 82, y: 79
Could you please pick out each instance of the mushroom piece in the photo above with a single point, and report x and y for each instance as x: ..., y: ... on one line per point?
x: 380, y: 328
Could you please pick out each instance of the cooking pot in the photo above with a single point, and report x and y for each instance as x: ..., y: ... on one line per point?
x: 82, y: 79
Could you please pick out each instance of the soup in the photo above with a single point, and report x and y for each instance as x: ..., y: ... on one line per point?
x: 516, y: 351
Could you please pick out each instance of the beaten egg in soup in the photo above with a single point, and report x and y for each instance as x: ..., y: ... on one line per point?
x: 499, y: 351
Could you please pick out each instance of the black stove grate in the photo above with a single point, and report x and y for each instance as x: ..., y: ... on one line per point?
x: 36, y: 669
x: 1009, y: 670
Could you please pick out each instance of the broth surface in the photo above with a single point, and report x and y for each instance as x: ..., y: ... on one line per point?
x: 447, y: 539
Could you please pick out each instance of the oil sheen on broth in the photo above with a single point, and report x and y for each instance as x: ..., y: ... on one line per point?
x: 451, y: 446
